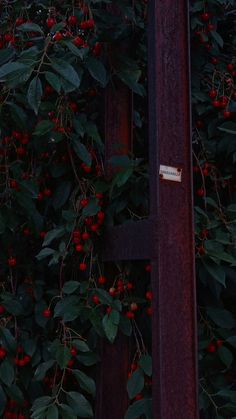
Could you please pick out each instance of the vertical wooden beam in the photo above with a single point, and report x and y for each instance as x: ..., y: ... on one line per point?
x: 173, y: 275
x: 112, y: 398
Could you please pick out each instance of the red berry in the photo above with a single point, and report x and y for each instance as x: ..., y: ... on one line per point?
x: 48, y: 89
x: 40, y: 196
x: 2, y: 309
x: 130, y: 285
x: 70, y: 363
x: 133, y: 306
x: 130, y: 315
x: 227, y: 114
x: 201, y: 192
x: 3, y: 353
x: 73, y: 106
x: 101, y: 280
x: 21, y: 363
x: 73, y: 351
x: 47, y: 313
x: 109, y: 310
x: 72, y: 20
x: 79, y: 248
x: 204, y: 233
x: 12, y: 261
x: 138, y: 397
x: 47, y: 192
x: 19, y: 21
x: 224, y: 101
x: 149, y: 311
x: 213, y: 93
x: 85, y: 236
x: 210, y: 27
x: 230, y: 67
x: 149, y: 295
x: 58, y: 36
x: 82, y: 266
x: 42, y: 234
x: 8, y: 37
x: 13, y: 184
x: 205, y: 17
x: 133, y: 366
x: 214, y: 61
x: 26, y: 232
x: 94, y: 227
x: 50, y: 22
x: 96, y: 299
x: 84, y: 202
x: 78, y: 41
x: 27, y: 359
x: 97, y: 49
x: 101, y: 215
x: 112, y: 291
x: 148, y: 268
x: 199, y: 124
x: 219, y: 343
x: 211, y: 348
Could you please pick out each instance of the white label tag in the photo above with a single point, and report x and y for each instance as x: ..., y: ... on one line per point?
x: 170, y: 173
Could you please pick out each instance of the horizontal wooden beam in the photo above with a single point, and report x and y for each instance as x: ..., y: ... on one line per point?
x: 129, y: 241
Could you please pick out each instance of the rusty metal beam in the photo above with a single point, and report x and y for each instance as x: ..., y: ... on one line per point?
x: 173, y: 274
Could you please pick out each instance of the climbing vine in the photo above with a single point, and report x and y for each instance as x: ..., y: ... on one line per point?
x: 56, y: 301
x: 214, y: 99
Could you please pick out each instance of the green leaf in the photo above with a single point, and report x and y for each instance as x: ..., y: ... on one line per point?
x: 135, y: 383
x: 80, y: 405
x: 86, y: 383
x: 66, y: 412
x: 63, y: 356
x: 6, y: 54
x: 110, y: 328
x: 7, y: 373
x: 53, y: 234
x: 30, y: 27
x: 82, y: 152
x: 41, y: 370
x: 52, y: 412
x: 97, y: 70
x: 3, y: 400
x: 8, y: 339
x: 217, y: 38
x: 226, y: 356
x: 67, y: 72
x: 45, y: 253
x: 81, y: 345
x: 91, y: 209
x: 145, y: 362
x: 141, y: 407
x: 232, y: 341
x: 216, y: 271
x: 70, y: 287
x: 35, y: 93
x: 12, y: 67
x: 43, y: 128
x: 221, y: 317
x: 125, y: 326
x: 53, y: 80
x: 61, y: 194
x: 76, y: 51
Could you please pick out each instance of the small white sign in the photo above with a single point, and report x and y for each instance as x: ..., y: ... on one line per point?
x: 170, y: 173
